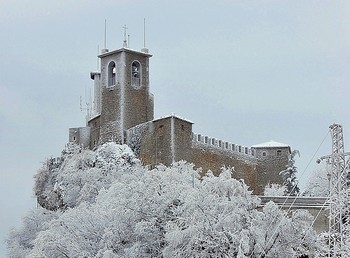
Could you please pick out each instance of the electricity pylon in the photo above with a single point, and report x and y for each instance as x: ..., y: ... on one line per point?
x: 338, y: 194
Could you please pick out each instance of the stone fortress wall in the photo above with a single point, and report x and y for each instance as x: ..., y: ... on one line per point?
x: 123, y: 112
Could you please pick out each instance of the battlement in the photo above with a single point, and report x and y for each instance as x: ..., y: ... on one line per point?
x: 223, y: 145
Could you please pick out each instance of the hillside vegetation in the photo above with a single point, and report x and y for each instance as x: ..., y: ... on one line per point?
x: 105, y: 203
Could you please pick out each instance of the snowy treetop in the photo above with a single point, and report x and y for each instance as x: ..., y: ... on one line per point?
x: 105, y: 204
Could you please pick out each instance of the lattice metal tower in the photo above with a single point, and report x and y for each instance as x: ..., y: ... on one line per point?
x: 338, y: 194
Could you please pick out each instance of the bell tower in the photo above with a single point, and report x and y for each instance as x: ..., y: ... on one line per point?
x: 122, y: 96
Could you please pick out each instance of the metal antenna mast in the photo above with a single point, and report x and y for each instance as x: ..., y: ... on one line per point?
x: 338, y: 193
x: 105, y: 36
x: 144, y: 32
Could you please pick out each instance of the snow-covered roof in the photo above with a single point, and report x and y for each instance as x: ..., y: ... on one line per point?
x: 271, y: 144
x: 173, y: 115
x: 124, y: 49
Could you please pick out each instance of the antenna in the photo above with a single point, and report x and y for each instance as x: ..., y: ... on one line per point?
x: 105, y: 39
x: 144, y: 32
x: 97, y: 61
x: 88, y: 103
x: 128, y: 40
x: 144, y: 49
x: 81, y: 106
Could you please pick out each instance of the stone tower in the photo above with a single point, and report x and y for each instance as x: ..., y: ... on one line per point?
x: 121, y: 95
x: 272, y: 157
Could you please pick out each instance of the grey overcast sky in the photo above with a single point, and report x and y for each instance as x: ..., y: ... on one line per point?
x: 242, y: 71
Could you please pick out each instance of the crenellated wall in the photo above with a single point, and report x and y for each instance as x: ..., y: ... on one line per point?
x: 213, y: 154
x: 224, y: 145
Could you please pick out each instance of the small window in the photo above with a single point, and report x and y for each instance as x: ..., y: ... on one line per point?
x: 246, y: 150
x: 233, y: 147
x: 279, y: 153
x: 136, y: 74
x: 264, y: 154
x: 239, y: 149
x: 206, y: 139
x: 213, y: 141
x: 112, y: 74
x: 74, y: 138
x: 161, y: 129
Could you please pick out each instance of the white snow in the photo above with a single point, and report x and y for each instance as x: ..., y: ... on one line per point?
x: 271, y: 144
x: 172, y: 115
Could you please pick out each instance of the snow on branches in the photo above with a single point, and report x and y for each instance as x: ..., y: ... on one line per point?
x: 289, y: 175
x: 111, y: 206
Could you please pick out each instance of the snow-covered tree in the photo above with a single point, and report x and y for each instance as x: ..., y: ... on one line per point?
x: 79, y: 174
x: 318, y: 183
x: 274, y: 190
x: 289, y: 175
x: 21, y: 241
x: 111, y: 206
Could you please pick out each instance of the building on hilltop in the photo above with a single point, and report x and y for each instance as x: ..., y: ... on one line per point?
x: 123, y: 112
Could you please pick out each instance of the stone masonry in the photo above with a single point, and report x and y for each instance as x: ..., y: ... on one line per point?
x: 123, y: 111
